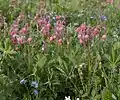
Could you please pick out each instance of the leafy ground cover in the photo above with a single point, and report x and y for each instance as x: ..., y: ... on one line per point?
x: 59, y: 50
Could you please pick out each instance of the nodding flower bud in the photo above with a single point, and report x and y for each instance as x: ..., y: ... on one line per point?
x: 60, y: 41
x: 81, y: 41
x: 54, y: 36
x: 20, y: 40
x: 48, y: 25
x: 83, y: 27
x: 58, y: 17
x: 51, y: 38
x: 78, y: 30
x: 14, y: 40
x: 96, y: 31
x: 12, y: 32
x: 29, y: 40
x: 23, y: 30
x: 104, y: 37
x: 79, y: 36
x: 86, y: 37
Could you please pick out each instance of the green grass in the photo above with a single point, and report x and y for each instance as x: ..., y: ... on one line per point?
x: 89, y: 72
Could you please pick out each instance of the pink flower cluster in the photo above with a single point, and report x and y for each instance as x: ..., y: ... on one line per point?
x: 47, y: 29
x: 19, y: 36
x: 86, y: 34
x: 58, y: 32
x: 44, y: 25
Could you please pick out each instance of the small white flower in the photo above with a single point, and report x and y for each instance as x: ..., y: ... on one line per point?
x: 78, y: 99
x: 43, y: 48
x: 67, y: 98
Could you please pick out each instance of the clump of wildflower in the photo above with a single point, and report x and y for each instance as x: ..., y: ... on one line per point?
x: 45, y: 25
x: 58, y: 30
x: 86, y: 33
x: 19, y: 36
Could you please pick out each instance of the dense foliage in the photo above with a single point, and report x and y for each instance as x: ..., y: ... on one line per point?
x: 52, y: 49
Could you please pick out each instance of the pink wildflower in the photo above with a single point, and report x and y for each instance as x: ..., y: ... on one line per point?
x: 58, y: 17
x: 86, y: 34
x: 29, y: 40
x: 81, y: 42
x: 60, y: 41
x: 54, y: 36
x: 14, y: 40
x: 23, y: 30
x: 51, y: 38
x: 83, y: 27
x: 96, y: 31
x: 20, y: 40
x: 13, y: 32
x: 59, y: 27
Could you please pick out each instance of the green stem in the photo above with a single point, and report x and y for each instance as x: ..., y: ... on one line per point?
x: 89, y: 59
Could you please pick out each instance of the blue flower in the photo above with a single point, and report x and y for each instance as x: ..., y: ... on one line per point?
x: 22, y: 81
x: 35, y: 92
x: 34, y: 84
x: 103, y: 18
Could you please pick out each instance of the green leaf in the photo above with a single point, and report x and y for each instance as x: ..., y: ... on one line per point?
x: 114, y: 97
x: 85, y: 95
x: 41, y: 61
x: 108, y: 57
x: 7, y: 44
x: 11, y: 52
x: 106, y: 95
x: 116, y: 45
x: 1, y: 49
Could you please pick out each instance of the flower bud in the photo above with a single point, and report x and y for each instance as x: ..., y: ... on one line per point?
x: 60, y: 41
x: 51, y: 38
x: 29, y: 40
x: 104, y: 37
